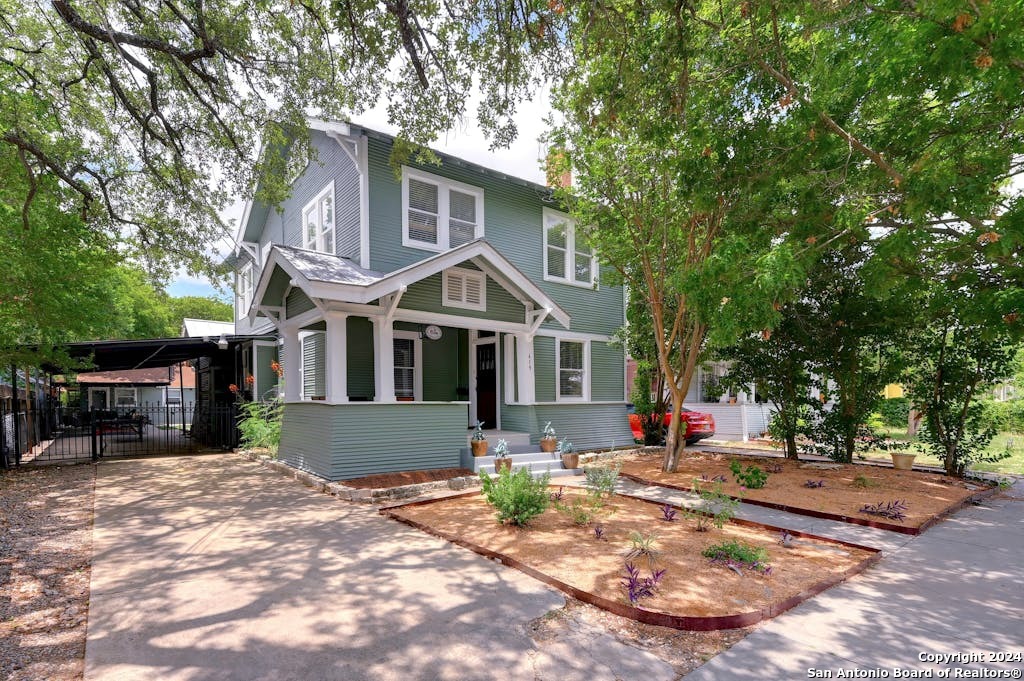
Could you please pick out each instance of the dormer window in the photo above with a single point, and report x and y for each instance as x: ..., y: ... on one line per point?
x: 318, y: 222
x: 438, y: 213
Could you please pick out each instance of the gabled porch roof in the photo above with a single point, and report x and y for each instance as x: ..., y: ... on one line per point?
x: 332, y: 278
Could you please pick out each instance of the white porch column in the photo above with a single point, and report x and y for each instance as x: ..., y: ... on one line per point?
x: 292, y: 363
x: 336, y: 356
x: 383, y: 359
x: 525, y: 377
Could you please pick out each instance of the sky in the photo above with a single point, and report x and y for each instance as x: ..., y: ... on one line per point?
x: 466, y: 142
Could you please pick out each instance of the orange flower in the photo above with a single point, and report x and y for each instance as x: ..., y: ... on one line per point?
x: 250, y: 380
x: 276, y: 367
x: 233, y: 388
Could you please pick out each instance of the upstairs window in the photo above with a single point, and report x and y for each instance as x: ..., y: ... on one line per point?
x: 437, y: 213
x: 567, y: 256
x: 244, y: 289
x: 464, y: 288
x: 318, y: 222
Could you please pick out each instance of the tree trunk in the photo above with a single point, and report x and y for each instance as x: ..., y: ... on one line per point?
x: 675, y: 442
x: 791, y: 451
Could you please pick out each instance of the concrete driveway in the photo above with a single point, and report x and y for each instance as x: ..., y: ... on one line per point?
x: 214, y: 568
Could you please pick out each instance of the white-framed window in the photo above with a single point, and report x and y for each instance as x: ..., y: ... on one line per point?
x: 438, y: 213
x: 568, y: 258
x: 244, y: 288
x: 125, y: 396
x: 408, y: 349
x: 172, y: 398
x: 572, y: 370
x: 464, y: 288
x: 318, y: 221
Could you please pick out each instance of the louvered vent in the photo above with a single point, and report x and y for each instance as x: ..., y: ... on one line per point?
x: 464, y: 288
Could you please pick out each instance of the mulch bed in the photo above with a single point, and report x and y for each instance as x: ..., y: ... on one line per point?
x: 46, y: 517
x: 695, y: 594
x: 388, y: 480
x: 847, y: 488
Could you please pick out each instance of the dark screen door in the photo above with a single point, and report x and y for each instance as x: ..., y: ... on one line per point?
x: 486, y: 385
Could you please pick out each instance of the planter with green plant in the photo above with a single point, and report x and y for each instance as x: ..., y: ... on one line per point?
x: 502, y: 460
x: 478, y: 443
x: 548, y: 441
x: 570, y: 457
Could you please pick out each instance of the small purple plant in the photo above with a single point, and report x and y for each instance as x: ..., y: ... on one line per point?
x: 892, y: 510
x: 598, y: 532
x: 557, y: 496
x: 638, y: 587
x: 774, y: 468
x: 718, y: 478
x: 668, y: 514
x: 814, y: 483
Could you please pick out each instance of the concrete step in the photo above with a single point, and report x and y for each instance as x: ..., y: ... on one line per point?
x: 513, y: 438
x: 531, y: 456
x: 538, y: 468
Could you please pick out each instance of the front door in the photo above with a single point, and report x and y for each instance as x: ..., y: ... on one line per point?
x: 98, y: 398
x: 486, y: 385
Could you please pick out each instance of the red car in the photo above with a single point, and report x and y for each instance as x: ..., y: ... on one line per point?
x: 698, y: 425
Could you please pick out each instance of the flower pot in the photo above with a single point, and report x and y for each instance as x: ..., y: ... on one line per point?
x: 548, y: 444
x: 571, y: 461
x: 479, y: 447
x: 901, y: 461
x: 502, y: 464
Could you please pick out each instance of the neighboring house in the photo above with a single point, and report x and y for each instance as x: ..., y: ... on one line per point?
x: 200, y: 328
x: 152, y: 391
x: 410, y: 307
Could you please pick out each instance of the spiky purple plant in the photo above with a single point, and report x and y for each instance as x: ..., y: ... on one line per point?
x: 892, y: 510
x: 718, y: 478
x: 638, y: 587
x: 557, y: 496
x: 814, y: 483
x: 668, y: 514
x: 598, y: 532
x: 774, y: 468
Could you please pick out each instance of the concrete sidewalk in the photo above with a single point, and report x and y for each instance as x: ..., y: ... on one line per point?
x: 215, y: 568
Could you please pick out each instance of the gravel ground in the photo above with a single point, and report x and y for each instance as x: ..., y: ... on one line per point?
x: 46, y: 516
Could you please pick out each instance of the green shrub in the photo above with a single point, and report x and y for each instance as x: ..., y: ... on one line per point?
x: 260, y: 424
x: 601, y: 479
x: 751, y: 477
x: 581, y: 511
x: 1004, y: 416
x: 737, y: 551
x: 517, y: 497
x: 894, y: 411
x: 715, y: 508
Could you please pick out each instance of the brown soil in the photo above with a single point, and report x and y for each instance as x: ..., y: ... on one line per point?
x: 692, y: 586
x: 388, y: 480
x: 925, y: 494
x: 45, y: 560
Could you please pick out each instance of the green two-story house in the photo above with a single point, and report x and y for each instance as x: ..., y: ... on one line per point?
x: 408, y: 308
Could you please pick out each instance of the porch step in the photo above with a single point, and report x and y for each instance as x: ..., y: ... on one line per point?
x: 513, y: 438
x: 538, y: 463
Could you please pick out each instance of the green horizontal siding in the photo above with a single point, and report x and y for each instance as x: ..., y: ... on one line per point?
x: 296, y: 303
x: 360, y: 358
x: 606, y: 372
x: 352, y: 440
x: 313, y: 366
x: 588, y: 426
x: 425, y: 296
x: 544, y: 368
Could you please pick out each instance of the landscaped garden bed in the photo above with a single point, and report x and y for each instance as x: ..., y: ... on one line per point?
x: 901, y: 501
x: 694, y: 592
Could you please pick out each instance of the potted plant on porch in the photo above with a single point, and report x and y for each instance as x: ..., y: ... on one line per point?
x: 548, y: 441
x: 570, y: 458
x: 502, y: 460
x: 478, y: 443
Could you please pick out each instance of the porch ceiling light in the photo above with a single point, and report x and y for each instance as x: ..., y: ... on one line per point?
x: 222, y: 343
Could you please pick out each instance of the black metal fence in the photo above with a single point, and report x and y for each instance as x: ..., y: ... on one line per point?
x: 67, y: 433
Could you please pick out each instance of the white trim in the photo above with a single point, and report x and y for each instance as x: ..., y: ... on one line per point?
x: 474, y: 342
x: 457, y: 322
x: 570, y: 252
x: 363, y: 404
x: 364, y: 202
x: 417, y: 367
x: 318, y: 239
x: 444, y: 186
x: 573, y: 335
x: 571, y: 402
x: 106, y: 394
x: 585, y: 397
x: 246, y: 296
x: 329, y: 127
x: 509, y: 348
x: 467, y: 275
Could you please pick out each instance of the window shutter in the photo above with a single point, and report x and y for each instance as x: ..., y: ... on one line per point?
x: 464, y: 288
x: 473, y: 292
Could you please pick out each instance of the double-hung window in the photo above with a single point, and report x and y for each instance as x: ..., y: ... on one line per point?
x: 244, y: 288
x: 125, y: 397
x: 573, y: 360
x: 568, y: 258
x: 438, y: 213
x: 408, y: 358
x: 318, y: 222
